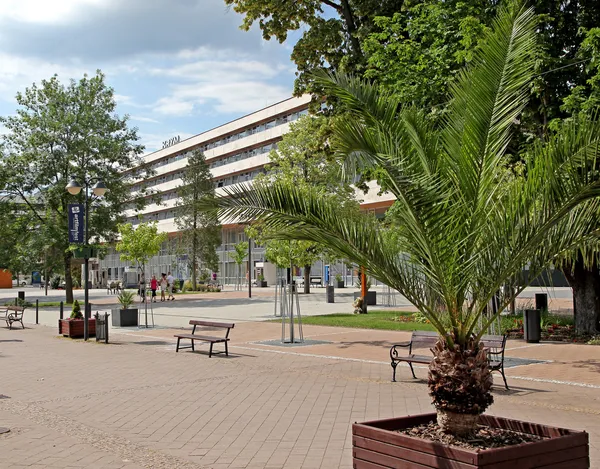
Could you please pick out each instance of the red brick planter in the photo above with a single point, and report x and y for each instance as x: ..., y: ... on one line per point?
x: 73, y: 328
x: 376, y: 446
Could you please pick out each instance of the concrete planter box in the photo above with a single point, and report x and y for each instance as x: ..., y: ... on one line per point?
x: 371, y: 297
x: 376, y: 445
x: 339, y: 284
x: 124, y: 317
x: 262, y: 283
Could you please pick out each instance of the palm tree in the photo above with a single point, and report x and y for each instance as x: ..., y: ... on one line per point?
x: 465, y: 223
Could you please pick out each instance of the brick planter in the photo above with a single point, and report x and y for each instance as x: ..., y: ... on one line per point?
x: 375, y: 445
x: 73, y: 328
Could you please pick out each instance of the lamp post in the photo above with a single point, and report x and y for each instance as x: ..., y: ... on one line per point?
x: 99, y: 189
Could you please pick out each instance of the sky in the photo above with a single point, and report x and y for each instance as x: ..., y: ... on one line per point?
x: 178, y: 67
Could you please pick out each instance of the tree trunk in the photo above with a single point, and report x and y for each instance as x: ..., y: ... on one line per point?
x: 350, y: 23
x: 68, y: 278
x: 585, y: 283
x: 307, y: 278
x: 194, y: 261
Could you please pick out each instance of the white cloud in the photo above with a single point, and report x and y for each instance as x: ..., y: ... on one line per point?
x: 46, y: 11
x: 18, y: 73
x: 144, y: 119
x: 236, y: 84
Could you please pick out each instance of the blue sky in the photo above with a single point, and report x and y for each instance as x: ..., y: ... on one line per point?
x: 178, y: 67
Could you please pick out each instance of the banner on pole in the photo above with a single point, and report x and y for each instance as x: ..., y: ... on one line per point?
x: 76, y: 222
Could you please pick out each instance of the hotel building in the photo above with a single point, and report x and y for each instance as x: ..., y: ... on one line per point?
x: 236, y: 152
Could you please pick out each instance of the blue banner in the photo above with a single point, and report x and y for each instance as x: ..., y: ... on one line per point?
x: 36, y: 278
x: 76, y: 222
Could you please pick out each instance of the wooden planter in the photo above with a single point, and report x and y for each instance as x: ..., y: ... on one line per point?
x: 375, y: 445
x: 73, y: 328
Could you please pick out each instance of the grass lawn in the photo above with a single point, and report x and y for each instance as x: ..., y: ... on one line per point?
x: 385, y: 320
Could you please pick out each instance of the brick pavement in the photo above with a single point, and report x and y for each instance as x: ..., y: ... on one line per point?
x: 138, y: 404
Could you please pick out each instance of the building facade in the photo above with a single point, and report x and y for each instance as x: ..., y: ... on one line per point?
x: 236, y: 152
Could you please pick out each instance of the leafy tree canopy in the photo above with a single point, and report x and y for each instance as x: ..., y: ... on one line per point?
x: 200, y: 231
x: 63, y: 132
x: 140, y: 244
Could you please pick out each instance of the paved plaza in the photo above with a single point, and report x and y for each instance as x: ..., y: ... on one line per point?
x: 135, y: 403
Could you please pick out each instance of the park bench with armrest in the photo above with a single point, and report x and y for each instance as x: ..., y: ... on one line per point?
x: 206, y: 338
x: 494, y: 345
x: 13, y: 314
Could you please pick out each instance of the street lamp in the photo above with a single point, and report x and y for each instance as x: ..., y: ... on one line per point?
x: 99, y: 189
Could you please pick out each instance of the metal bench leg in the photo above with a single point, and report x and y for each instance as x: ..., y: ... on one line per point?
x: 504, y: 378
x: 226, y: 350
x: 178, y: 339
x: 394, y: 365
x: 193, y: 349
x: 210, y: 351
x: 22, y: 325
x: 412, y: 370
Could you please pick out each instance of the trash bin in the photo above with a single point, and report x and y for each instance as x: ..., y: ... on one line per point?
x: 21, y: 296
x: 330, y: 294
x: 541, y: 301
x: 532, y: 325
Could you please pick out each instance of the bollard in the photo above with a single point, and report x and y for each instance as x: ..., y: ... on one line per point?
x: 61, y: 310
x: 37, y: 311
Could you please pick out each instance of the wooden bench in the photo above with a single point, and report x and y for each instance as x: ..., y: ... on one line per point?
x: 206, y: 338
x: 494, y: 345
x: 316, y: 281
x: 14, y: 314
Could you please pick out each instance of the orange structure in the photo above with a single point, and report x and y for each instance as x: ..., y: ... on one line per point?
x: 5, y: 278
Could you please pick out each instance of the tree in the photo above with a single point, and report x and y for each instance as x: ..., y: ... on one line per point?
x: 200, y: 231
x: 417, y: 52
x: 139, y: 245
x: 238, y: 255
x: 332, y: 30
x: 465, y: 225
x: 62, y: 132
x: 304, y: 158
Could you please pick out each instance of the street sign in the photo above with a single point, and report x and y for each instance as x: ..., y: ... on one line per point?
x: 76, y: 223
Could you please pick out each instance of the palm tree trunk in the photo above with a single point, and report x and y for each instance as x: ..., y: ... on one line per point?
x: 307, y: 278
x: 460, y: 382
x: 585, y: 283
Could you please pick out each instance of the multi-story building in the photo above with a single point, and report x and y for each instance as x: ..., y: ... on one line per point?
x: 236, y: 152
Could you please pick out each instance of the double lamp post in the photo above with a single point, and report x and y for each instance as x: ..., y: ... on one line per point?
x: 99, y: 189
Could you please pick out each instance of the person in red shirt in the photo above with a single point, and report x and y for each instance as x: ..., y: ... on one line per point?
x: 153, y: 287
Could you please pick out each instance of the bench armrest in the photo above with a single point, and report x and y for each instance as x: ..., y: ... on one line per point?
x: 394, y: 352
x: 402, y: 344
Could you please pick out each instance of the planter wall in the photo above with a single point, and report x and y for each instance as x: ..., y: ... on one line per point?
x: 124, y: 317
x: 375, y: 445
x: 74, y: 328
x: 371, y: 297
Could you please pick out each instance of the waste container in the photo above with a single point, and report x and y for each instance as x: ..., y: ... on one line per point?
x: 541, y: 301
x: 330, y: 294
x: 21, y: 296
x: 532, y: 325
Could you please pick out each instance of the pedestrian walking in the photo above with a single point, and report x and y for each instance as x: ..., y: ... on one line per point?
x: 153, y: 287
x: 163, y: 286
x: 170, y: 280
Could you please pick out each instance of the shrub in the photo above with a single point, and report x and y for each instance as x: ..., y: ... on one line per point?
x: 76, y: 312
x: 125, y: 299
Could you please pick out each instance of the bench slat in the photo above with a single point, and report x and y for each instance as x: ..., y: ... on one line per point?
x: 224, y: 325
x: 205, y: 338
